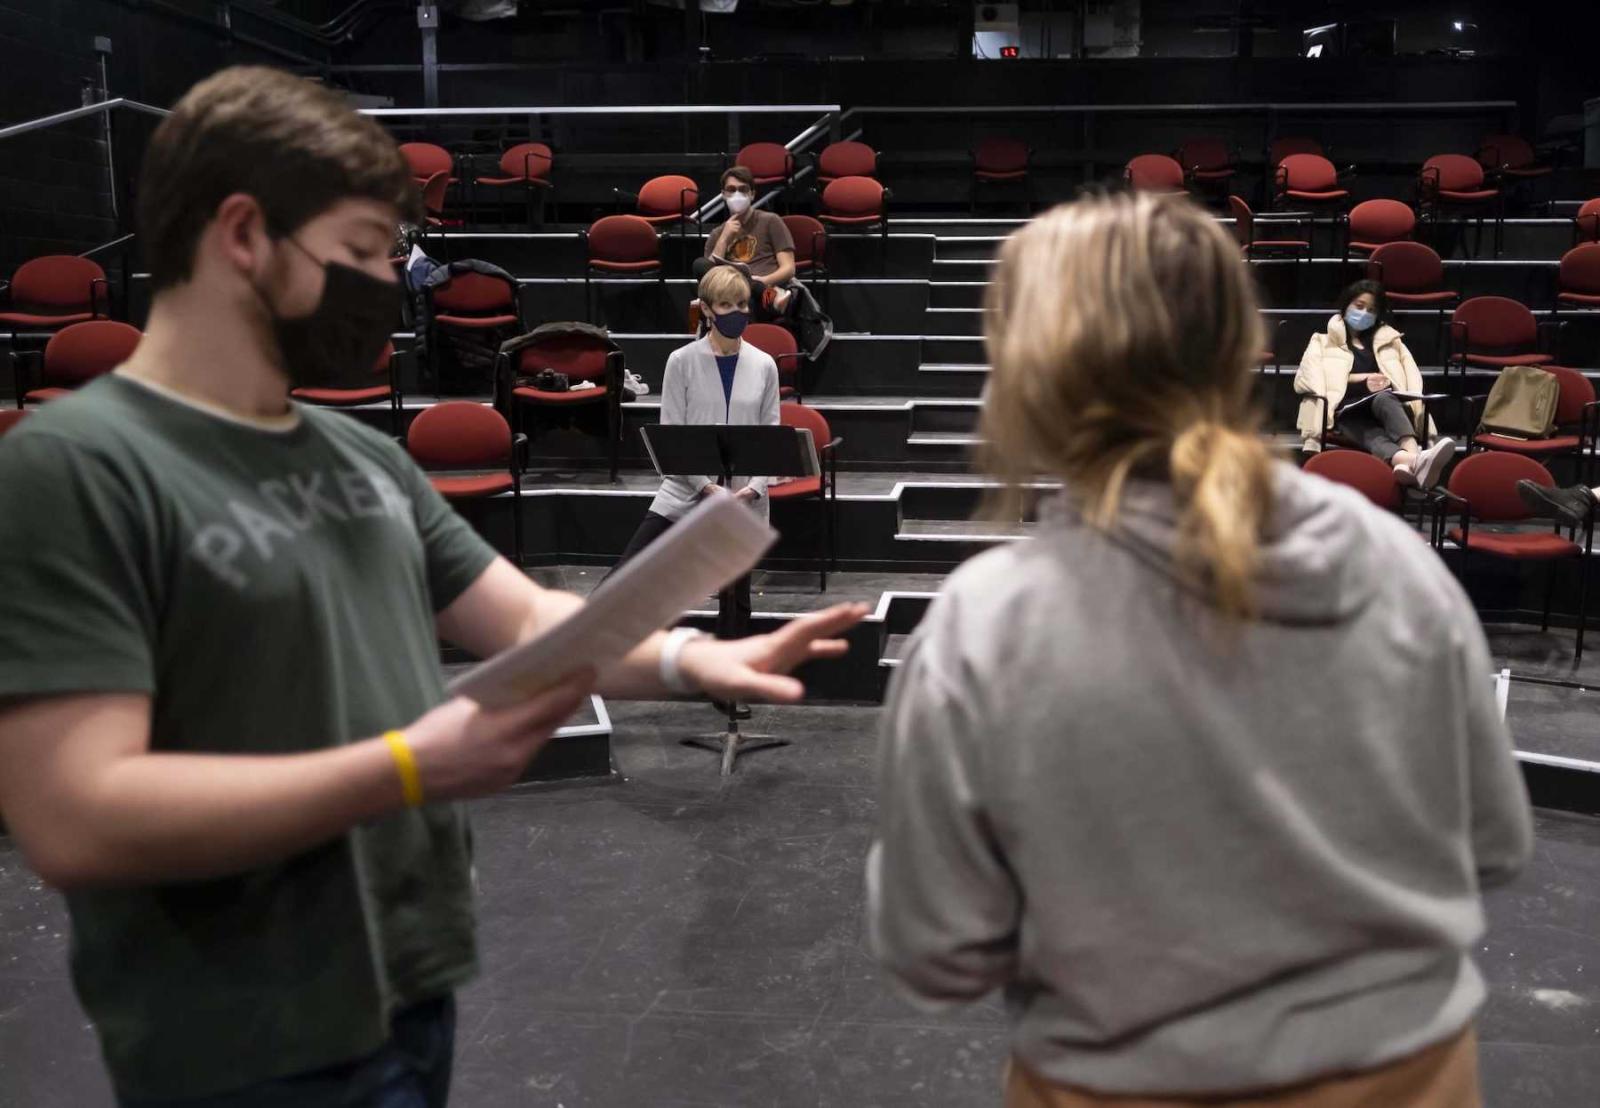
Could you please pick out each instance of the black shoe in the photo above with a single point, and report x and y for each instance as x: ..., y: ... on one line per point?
x: 1570, y: 505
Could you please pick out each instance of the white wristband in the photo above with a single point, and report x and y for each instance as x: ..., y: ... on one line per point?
x: 671, y: 676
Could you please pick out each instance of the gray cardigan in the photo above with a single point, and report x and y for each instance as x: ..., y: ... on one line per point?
x: 1198, y: 859
x: 692, y: 394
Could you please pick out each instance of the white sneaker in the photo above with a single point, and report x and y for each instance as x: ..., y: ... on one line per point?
x: 1431, y: 462
x: 1404, y: 477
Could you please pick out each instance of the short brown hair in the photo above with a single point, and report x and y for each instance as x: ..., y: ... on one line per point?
x: 295, y: 146
x: 738, y: 173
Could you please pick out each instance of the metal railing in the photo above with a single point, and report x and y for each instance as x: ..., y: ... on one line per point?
x: 80, y: 113
x: 1211, y: 109
x: 683, y: 111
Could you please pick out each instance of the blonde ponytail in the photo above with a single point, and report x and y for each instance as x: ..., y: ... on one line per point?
x: 1222, y: 480
x: 1123, y: 336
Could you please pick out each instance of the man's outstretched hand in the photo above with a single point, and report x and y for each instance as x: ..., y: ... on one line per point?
x: 757, y: 668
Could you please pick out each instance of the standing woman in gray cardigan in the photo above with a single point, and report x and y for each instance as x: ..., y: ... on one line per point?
x: 718, y: 378
x: 1155, y: 772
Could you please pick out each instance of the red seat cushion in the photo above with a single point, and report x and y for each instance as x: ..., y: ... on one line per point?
x: 343, y: 396
x: 623, y: 267
x: 1524, y: 545
x: 39, y: 396
x: 1469, y: 196
x: 1510, y: 359
x: 1330, y: 194
x: 570, y: 396
x: 669, y: 217
x: 849, y: 219
x: 1552, y: 445
x: 1579, y: 298
x: 1008, y: 175
x: 1211, y: 174
x: 1439, y: 297
x: 487, y: 484
x: 28, y: 319
x: 475, y: 322
x: 804, y: 486
x: 513, y: 181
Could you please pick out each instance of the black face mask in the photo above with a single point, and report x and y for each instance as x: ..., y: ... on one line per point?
x: 337, y: 345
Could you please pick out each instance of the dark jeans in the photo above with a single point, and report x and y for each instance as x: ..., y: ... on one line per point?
x: 1379, y: 425
x: 411, y: 1070
x: 730, y: 624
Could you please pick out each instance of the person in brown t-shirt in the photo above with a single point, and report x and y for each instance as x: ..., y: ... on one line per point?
x: 757, y: 241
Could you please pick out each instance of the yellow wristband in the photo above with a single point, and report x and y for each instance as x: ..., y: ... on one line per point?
x: 405, y: 764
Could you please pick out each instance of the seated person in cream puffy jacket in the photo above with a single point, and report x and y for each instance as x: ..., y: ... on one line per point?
x: 1356, y: 365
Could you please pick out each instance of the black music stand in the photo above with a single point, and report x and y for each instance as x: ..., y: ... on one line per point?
x: 724, y: 450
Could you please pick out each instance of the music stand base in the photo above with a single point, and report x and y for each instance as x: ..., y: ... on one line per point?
x: 731, y: 743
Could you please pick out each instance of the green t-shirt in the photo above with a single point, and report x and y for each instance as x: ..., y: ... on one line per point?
x: 273, y: 592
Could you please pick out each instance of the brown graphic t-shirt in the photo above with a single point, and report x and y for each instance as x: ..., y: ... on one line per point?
x: 762, y: 234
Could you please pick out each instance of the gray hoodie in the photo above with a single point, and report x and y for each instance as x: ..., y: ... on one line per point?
x: 1198, y: 863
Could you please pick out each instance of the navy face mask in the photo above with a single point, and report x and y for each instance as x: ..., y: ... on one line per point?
x: 729, y: 326
x: 337, y: 345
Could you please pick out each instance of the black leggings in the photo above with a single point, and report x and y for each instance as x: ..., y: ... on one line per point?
x: 1378, y: 426
x: 730, y: 624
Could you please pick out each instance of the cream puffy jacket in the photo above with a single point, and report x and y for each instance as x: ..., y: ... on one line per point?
x: 1325, y: 372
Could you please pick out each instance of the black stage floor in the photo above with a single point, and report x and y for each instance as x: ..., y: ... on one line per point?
x: 674, y: 940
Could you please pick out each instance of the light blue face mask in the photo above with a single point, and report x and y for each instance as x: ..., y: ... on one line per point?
x: 1359, y: 319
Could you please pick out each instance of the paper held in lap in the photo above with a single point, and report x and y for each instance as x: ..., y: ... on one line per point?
x: 1352, y: 405
x: 714, y: 545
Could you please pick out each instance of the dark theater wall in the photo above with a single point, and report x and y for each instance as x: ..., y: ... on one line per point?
x: 54, y: 189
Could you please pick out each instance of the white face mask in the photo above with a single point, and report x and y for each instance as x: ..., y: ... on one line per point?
x: 737, y: 202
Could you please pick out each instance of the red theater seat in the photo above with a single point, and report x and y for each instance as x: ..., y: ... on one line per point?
x: 580, y: 357
x: 1483, y: 490
x: 74, y: 356
x: 1375, y: 223
x: 1578, y: 278
x: 54, y: 291
x: 387, y: 388
x: 845, y: 159
x: 824, y: 489
x: 1154, y: 173
x: 459, y: 435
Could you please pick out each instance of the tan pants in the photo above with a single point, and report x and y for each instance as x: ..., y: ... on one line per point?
x: 1442, y: 1076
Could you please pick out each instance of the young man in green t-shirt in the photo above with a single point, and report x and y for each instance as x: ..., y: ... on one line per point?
x: 223, y: 729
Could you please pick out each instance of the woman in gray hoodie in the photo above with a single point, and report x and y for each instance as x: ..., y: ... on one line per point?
x: 1125, y: 774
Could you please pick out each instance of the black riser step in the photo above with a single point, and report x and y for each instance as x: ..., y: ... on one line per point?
x: 647, y: 306
x: 592, y: 526
x: 562, y: 254
x: 1286, y: 283
x: 953, y: 321
x: 1534, y: 238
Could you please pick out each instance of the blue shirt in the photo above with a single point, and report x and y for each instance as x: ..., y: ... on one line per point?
x: 726, y: 364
